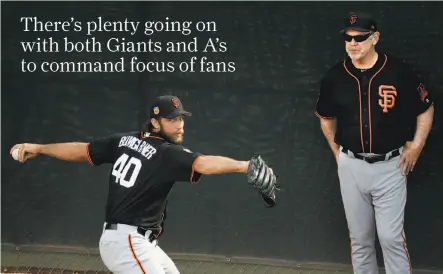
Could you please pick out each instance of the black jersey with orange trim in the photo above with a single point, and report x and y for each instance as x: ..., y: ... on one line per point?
x: 376, y: 109
x: 144, y: 169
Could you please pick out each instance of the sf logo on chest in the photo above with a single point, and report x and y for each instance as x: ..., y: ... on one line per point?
x: 388, y: 95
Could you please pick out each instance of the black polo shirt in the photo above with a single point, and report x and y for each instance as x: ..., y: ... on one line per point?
x: 144, y: 168
x: 376, y: 109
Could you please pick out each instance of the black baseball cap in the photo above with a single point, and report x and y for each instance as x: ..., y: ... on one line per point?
x: 360, y: 22
x: 167, y: 106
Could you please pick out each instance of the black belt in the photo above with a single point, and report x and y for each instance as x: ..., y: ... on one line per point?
x: 375, y: 158
x: 140, y: 230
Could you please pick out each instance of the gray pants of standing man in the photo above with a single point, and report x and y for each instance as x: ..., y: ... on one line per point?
x: 374, y: 197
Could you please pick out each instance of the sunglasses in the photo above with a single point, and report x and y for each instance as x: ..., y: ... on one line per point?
x: 357, y: 38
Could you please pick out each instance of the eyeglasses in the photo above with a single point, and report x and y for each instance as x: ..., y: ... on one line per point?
x: 357, y: 38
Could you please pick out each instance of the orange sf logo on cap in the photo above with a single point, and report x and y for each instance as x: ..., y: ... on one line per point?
x: 175, y: 102
x: 353, y: 19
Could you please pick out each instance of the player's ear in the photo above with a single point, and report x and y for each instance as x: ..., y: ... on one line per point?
x: 155, y: 123
x: 375, y: 38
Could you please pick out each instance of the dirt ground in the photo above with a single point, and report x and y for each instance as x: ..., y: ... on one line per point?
x: 55, y: 263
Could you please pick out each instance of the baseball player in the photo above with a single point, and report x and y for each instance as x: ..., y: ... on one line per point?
x: 369, y: 105
x: 144, y: 167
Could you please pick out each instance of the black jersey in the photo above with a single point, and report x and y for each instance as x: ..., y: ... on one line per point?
x: 144, y: 169
x: 376, y: 109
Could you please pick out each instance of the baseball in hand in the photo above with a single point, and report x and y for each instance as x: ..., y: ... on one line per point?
x: 15, y: 154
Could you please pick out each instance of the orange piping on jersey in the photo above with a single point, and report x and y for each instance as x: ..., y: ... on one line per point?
x: 156, y: 137
x: 359, y: 99
x: 369, y: 104
x: 404, y: 247
x: 133, y: 254
x: 142, y: 136
x: 193, y: 171
x: 406, y: 251
x: 88, y: 156
x: 323, y: 117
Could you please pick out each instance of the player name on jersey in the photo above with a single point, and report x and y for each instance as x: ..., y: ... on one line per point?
x: 138, y: 145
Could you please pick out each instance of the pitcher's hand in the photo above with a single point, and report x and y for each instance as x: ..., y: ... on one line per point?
x: 26, y: 151
x: 409, y: 157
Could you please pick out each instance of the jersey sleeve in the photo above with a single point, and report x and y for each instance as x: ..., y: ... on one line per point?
x: 181, y: 162
x: 102, y: 150
x: 325, y: 106
x: 419, y: 97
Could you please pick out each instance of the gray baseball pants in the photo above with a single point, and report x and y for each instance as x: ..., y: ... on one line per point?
x: 374, y: 198
x: 125, y: 251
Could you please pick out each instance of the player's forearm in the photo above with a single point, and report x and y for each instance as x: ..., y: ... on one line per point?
x: 424, y: 125
x: 73, y: 152
x: 328, y: 127
x: 219, y: 165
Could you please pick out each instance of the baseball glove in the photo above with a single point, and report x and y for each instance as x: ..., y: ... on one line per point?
x: 261, y: 177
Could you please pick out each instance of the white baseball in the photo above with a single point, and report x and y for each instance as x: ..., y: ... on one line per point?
x: 15, y: 154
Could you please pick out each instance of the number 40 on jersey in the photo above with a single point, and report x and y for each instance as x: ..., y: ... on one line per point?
x: 122, y: 167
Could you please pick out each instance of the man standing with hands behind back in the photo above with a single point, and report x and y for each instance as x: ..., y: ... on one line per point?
x: 369, y: 105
